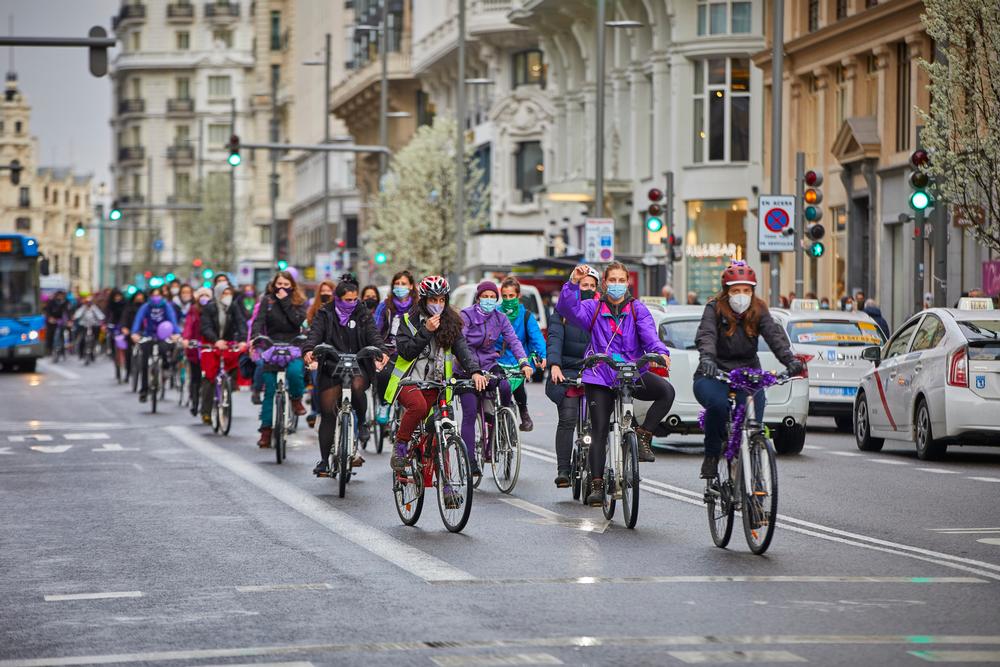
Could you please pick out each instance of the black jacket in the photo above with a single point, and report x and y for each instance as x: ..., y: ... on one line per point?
x: 875, y: 313
x: 566, y: 348
x: 236, y: 326
x: 278, y: 319
x: 739, y: 350
x: 359, y: 332
x: 409, y: 345
x: 56, y: 309
x: 129, y: 313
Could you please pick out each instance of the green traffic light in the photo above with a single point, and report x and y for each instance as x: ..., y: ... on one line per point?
x: 920, y: 200
x: 654, y: 224
x: 80, y: 232
x: 115, y: 215
x: 813, y: 213
x: 816, y: 249
x: 235, y: 159
x: 169, y: 277
x: 282, y: 265
x: 207, y: 274
x: 380, y: 258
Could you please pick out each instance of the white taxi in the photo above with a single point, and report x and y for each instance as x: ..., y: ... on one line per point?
x: 935, y: 382
x: 830, y: 341
x: 787, y: 405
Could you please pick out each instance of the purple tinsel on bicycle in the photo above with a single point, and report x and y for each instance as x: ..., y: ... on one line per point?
x: 750, y: 381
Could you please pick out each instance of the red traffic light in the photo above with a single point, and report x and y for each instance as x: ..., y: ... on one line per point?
x: 655, y: 194
x: 148, y: 274
x: 341, y: 243
x: 655, y: 209
x: 814, y: 178
x: 920, y: 158
x: 196, y: 261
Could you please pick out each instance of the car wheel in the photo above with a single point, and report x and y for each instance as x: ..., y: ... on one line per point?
x: 863, y: 427
x: 789, y: 439
x: 923, y: 436
x: 845, y: 424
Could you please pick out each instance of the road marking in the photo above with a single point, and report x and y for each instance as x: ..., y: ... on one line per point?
x: 958, y: 656
x: 829, y: 533
x: 114, y: 447
x: 986, y: 479
x: 813, y: 447
x: 283, y: 587
x: 411, y: 559
x: 888, y: 462
x: 35, y: 437
x: 939, y: 471
x: 51, y: 449
x: 299, y: 663
x: 989, y: 540
x: 5, y: 450
x: 846, y: 454
x: 719, y: 579
x: 37, y: 425
x: 93, y: 596
x: 964, y: 530
x: 716, y: 657
x: 86, y: 436
x: 58, y: 370
x: 553, y: 518
x: 496, y: 660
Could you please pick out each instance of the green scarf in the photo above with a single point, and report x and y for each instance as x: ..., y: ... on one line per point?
x: 511, y: 307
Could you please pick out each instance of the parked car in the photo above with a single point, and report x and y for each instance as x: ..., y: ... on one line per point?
x: 787, y: 405
x: 463, y: 295
x: 936, y: 382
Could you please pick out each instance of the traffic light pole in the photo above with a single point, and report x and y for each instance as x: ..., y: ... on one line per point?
x: 671, y: 229
x: 777, y: 83
x: 274, y: 168
x: 918, y: 260
x: 800, y: 190
x: 232, y: 180
x: 97, y: 42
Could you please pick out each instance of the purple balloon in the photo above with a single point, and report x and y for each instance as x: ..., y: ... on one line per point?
x: 164, y: 330
x: 295, y: 272
x: 120, y: 342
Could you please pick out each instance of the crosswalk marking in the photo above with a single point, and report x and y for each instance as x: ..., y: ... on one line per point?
x: 114, y: 447
x: 716, y: 657
x: 51, y: 449
x: 93, y: 596
x: 888, y: 462
x: 86, y: 436
x: 939, y: 471
x: 496, y: 660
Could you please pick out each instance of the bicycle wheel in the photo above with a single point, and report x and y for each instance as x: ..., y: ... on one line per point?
x: 278, y: 431
x: 408, y: 489
x: 482, y: 435
x: 154, y: 384
x: 135, y: 368
x: 378, y: 431
x: 630, y: 479
x: 719, y: 496
x: 507, y: 454
x: 454, y: 483
x: 344, y: 453
x: 226, y: 404
x: 760, y: 495
x: 609, y: 494
x: 575, y: 478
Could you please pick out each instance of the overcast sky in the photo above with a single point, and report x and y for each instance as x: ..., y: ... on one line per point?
x: 70, y: 109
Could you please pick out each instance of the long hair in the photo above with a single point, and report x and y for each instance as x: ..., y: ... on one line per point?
x: 298, y: 298
x: 317, y: 303
x: 390, y: 305
x: 750, y: 319
x: 451, y: 323
x: 371, y: 287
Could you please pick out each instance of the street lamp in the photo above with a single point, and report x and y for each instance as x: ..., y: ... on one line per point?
x: 325, y: 231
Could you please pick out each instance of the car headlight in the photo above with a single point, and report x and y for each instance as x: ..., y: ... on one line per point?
x: 32, y: 335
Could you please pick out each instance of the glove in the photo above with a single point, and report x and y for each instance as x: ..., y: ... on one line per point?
x: 708, y: 367
x: 795, y: 368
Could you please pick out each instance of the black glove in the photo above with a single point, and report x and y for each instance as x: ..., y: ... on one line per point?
x: 708, y: 367
x: 795, y: 368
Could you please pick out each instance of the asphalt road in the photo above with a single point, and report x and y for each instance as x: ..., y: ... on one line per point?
x: 134, y: 538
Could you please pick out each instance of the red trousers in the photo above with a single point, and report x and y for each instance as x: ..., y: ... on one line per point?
x: 210, y: 362
x: 418, y: 404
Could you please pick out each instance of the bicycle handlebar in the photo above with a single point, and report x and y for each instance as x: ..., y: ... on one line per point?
x: 367, y: 352
x: 648, y: 358
x: 270, y: 341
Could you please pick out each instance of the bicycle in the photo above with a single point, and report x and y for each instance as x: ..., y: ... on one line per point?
x: 155, y: 384
x: 60, y: 342
x: 347, y: 367
x: 280, y: 355
x: 436, y: 457
x: 89, y: 345
x: 747, y: 478
x: 222, y: 392
x: 378, y: 421
x: 182, y: 383
x: 621, y: 470
x: 580, y: 457
x: 134, y: 365
x: 497, y: 440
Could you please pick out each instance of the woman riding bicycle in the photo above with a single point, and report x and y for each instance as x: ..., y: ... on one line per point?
x: 620, y: 327
x: 280, y: 316
x: 727, y: 339
x: 388, y: 320
x: 483, y: 326
x: 222, y: 326
x: 529, y: 333
x: 370, y: 298
x: 191, y: 336
x: 428, y: 340
x: 324, y: 295
x: 146, y: 324
x: 348, y: 328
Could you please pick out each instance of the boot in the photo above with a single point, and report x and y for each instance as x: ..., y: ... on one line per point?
x: 526, y: 423
x: 710, y: 467
x: 265, y: 437
x: 645, y: 439
x: 398, y: 460
x: 297, y: 407
x: 563, y: 478
x: 596, y: 496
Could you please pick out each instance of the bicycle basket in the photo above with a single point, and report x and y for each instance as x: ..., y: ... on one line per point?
x: 280, y: 356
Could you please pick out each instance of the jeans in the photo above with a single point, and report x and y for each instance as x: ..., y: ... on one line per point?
x: 470, y: 412
x: 569, y: 413
x: 714, y: 397
x: 295, y: 384
x: 258, y: 375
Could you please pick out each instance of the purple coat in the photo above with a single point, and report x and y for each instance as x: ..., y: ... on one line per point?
x: 634, y: 336
x: 482, y: 332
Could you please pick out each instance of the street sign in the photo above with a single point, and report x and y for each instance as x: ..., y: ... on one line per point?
x: 158, y: 245
x: 324, y: 264
x: 776, y: 214
x: 599, y: 240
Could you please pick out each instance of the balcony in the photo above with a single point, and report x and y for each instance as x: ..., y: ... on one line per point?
x: 131, y: 154
x: 180, y: 106
x: 222, y: 11
x: 130, y: 14
x: 132, y: 106
x: 180, y: 12
x: 180, y: 154
x: 131, y: 200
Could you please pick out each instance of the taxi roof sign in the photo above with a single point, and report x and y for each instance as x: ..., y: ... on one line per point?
x: 805, y: 304
x: 975, y: 303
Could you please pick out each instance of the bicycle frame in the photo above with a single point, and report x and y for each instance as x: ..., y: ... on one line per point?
x: 438, y: 425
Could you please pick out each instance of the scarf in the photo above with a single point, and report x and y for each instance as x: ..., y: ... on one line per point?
x: 402, y: 306
x: 344, y: 310
x: 511, y: 308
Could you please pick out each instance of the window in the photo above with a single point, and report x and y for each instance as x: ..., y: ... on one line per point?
x: 724, y: 17
x: 18, y: 127
x: 276, y: 31
x: 224, y: 36
x: 218, y: 135
x: 136, y: 84
x: 425, y: 109
x: 183, y: 87
x: 183, y: 40
x: 902, y: 97
x: 870, y: 3
x: 135, y: 41
x: 529, y: 68
x: 929, y: 334
x: 219, y: 86
x: 530, y: 168
x: 841, y: 9
x: 182, y: 186
x: 135, y: 134
x: 24, y: 197
x: 182, y: 135
x: 22, y: 224
x: 275, y: 75
x: 812, y: 16
x: 76, y: 201
x: 840, y: 96
x: 722, y: 110
x: 901, y: 340
x: 1, y: 127
x: 871, y: 86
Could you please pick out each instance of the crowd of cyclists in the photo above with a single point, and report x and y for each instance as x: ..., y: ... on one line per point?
x: 495, y: 344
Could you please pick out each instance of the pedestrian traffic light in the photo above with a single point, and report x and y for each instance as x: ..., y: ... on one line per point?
x: 920, y: 180
x: 282, y: 265
x: 816, y: 249
x: 380, y: 258
x: 115, y: 214
x: 170, y: 277
x: 207, y: 274
x: 234, y: 151
x: 147, y: 275
x: 654, y: 211
x: 80, y: 231
x: 812, y: 196
x: 156, y: 281
x: 15, y: 172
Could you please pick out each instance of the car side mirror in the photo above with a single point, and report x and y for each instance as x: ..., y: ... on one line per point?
x: 872, y: 354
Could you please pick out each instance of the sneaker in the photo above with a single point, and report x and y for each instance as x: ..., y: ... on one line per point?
x: 264, y: 442
x: 399, y: 458
x: 357, y: 461
x: 255, y: 397
x: 206, y: 419
x: 194, y: 410
x: 297, y: 407
x: 526, y: 423
x: 596, y: 496
x: 363, y: 432
x: 452, y: 498
x: 311, y: 421
x: 142, y: 398
x: 645, y: 439
x: 710, y: 467
x: 563, y: 479
x: 322, y: 469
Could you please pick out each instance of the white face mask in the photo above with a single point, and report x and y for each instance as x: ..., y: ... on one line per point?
x: 227, y: 301
x: 739, y: 302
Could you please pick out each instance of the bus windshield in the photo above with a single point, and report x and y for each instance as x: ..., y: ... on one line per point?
x: 18, y: 287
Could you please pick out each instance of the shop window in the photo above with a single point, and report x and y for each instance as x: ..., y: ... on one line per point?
x: 722, y: 110
x: 530, y: 169
x: 715, y: 235
x: 529, y: 68
x: 716, y: 17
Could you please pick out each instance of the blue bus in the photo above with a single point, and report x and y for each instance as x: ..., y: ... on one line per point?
x: 22, y: 325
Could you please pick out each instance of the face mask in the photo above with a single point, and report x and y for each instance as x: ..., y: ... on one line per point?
x: 371, y: 303
x: 487, y: 305
x: 617, y: 290
x: 175, y: 291
x: 510, y: 305
x: 325, y: 298
x: 156, y: 299
x: 204, y: 300
x: 400, y: 292
x: 435, y: 308
x: 226, y: 301
x: 739, y: 302
x: 587, y: 294
x: 248, y: 294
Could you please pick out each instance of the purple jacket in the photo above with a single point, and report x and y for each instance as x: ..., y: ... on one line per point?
x: 482, y: 331
x: 628, y: 340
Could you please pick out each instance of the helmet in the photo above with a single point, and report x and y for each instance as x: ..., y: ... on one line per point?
x: 739, y: 273
x: 433, y: 286
x: 594, y: 273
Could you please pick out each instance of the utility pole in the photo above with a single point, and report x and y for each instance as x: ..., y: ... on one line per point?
x: 149, y: 219
x: 460, y: 151
x: 799, y: 222
x: 599, y: 114
x: 671, y: 230
x: 383, y: 102
x: 274, y: 168
x: 232, y: 186
x: 325, y: 236
x: 777, y: 83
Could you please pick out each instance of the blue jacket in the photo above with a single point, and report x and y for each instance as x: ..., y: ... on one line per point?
x: 528, y: 333
x: 150, y: 315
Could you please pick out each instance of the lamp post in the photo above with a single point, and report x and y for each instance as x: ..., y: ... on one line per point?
x: 325, y: 231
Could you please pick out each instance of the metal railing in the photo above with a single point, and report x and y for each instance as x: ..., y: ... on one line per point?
x: 183, y: 11
x: 222, y: 10
x: 127, y: 153
x: 180, y: 105
x: 135, y: 105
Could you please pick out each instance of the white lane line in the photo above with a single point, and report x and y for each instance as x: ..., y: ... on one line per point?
x: 888, y: 462
x: 411, y: 559
x: 939, y: 471
x: 51, y: 449
x: 986, y: 479
x: 299, y: 663
x: 86, y: 436
x: 963, y: 531
x: 36, y: 437
x: 114, y: 447
x: 58, y: 370
x: 829, y: 533
x: 283, y: 587
x: 846, y: 454
x: 958, y: 656
x: 813, y: 447
x: 93, y: 596
x: 496, y: 660
x: 989, y: 540
x: 728, y: 579
x: 554, y: 518
x: 5, y: 450
x: 719, y: 657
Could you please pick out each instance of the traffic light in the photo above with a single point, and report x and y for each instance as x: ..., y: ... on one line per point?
x: 674, y: 247
x: 282, y: 265
x: 381, y: 258
x: 170, y: 277
x: 207, y: 274
x: 15, y: 172
x: 814, y: 233
x: 813, y: 196
x: 115, y: 214
x: 654, y: 211
x: 920, y: 180
x: 156, y: 281
x: 234, y: 151
x: 816, y: 249
x: 196, y: 262
x: 80, y: 231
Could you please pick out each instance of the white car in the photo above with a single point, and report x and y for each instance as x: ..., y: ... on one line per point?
x: 935, y: 382
x: 463, y: 295
x: 787, y: 405
x: 830, y: 342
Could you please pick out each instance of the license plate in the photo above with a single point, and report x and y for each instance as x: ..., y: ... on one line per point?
x: 838, y: 391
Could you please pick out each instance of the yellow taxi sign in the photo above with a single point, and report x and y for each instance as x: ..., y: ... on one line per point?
x: 975, y: 303
x: 805, y: 304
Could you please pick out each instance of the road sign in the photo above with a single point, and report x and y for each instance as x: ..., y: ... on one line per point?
x: 599, y: 240
x: 776, y: 215
x: 158, y: 245
x: 324, y: 265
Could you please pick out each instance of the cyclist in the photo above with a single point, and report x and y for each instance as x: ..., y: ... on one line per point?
x: 221, y: 324
x: 567, y: 347
x: 621, y: 327
x: 192, y: 334
x: 182, y: 302
x: 727, y: 338
x: 146, y: 325
x: 56, y: 312
x: 324, y: 295
x: 280, y: 317
x: 428, y: 341
x: 128, y: 316
x: 88, y: 317
x: 370, y: 297
x: 388, y: 319
x: 483, y: 326
x: 348, y: 329
x: 529, y: 333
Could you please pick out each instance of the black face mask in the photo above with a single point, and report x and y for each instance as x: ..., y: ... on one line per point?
x: 326, y: 298
x: 587, y: 294
x: 371, y: 304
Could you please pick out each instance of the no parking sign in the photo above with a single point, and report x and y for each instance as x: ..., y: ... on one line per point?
x: 776, y: 214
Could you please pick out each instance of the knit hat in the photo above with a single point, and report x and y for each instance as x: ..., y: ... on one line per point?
x: 219, y: 289
x: 202, y: 291
x: 487, y: 286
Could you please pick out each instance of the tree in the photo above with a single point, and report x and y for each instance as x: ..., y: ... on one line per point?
x: 207, y: 233
x: 962, y: 128
x: 415, y: 214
